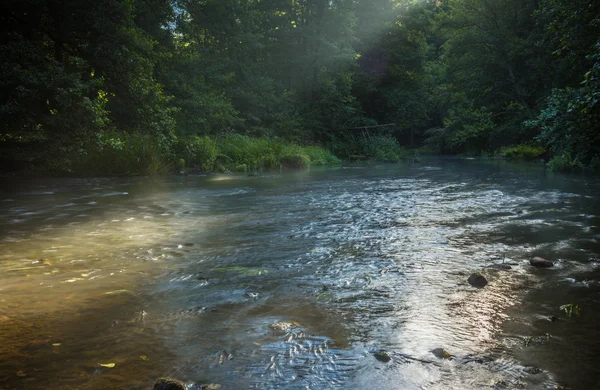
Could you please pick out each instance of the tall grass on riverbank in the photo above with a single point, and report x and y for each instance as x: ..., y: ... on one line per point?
x: 135, y: 154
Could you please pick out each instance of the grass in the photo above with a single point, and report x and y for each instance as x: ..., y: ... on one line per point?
x: 121, y: 154
x: 377, y: 148
x: 523, y: 151
x: 118, y: 153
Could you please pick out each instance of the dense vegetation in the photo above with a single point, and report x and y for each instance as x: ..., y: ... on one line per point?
x: 143, y: 86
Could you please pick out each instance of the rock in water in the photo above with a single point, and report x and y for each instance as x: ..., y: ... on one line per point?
x: 477, y: 280
x: 382, y: 356
x: 541, y: 262
x: 500, y: 267
x: 441, y: 353
x: 169, y: 384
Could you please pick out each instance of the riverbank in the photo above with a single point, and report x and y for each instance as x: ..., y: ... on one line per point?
x: 125, y: 154
x: 116, y: 154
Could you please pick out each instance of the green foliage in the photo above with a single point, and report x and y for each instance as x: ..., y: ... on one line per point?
x: 523, y: 151
x: 198, y: 152
x: 319, y: 155
x: 119, y: 153
x: 377, y: 148
x: 295, y: 161
x: 565, y: 163
x: 133, y: 87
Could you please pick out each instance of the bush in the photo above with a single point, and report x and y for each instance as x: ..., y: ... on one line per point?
x: 378, y: 148
x: 297, y: 161
x: 198, y: 152
x: 523, y: 151
x: 565, y: 163
x: 119, y: 153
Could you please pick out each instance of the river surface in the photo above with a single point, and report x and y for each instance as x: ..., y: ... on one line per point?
x: 298, y: 280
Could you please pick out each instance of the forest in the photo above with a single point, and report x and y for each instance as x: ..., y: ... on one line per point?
x: 129, y: 87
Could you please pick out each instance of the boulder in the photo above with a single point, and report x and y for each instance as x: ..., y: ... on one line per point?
x: 541, y: 262
x: 441, y: 353
x: 169, y: 384
x: 477, y: 280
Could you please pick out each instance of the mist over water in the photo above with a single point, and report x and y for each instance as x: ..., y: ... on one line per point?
x: 295, y: 280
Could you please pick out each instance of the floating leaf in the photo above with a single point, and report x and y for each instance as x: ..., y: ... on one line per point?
x: 20, y: 373
x: 56, y: 344
x: 324, y: 294
x: 107, y: 365
x: 144, y: 358
x: 570, y: 309
x: 118, y: 292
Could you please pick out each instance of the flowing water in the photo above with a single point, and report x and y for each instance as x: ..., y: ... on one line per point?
x: 298, y: 280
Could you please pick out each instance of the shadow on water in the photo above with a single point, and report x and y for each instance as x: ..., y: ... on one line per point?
x: 64, y: 348
x: 300, y: 280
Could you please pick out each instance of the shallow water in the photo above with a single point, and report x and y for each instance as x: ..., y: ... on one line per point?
x: 185, y: 277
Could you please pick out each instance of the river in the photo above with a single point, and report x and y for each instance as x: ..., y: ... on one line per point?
x: 299, y: 280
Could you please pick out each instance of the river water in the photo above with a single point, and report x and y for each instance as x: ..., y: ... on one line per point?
x: 296, y: 280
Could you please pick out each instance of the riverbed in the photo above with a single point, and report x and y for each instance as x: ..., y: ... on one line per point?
x: 303, y: 279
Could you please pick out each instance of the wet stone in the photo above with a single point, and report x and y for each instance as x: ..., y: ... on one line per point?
x: 501, y: 267
x: 382, y: 356
x: 283, y: 326
x: 169, y: 384
x: 541, y: 262
x: 477, y: 280
x: 532, y: 370
x: 441, y: 353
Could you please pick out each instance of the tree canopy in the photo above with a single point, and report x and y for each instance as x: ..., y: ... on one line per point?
x: 455, y: 76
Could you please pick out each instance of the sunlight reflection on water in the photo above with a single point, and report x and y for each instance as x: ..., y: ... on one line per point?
x: 192, y: 272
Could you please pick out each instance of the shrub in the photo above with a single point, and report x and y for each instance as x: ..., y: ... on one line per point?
x: 565, y: 163
x: 378, y: 148
x: 296, y: 161
x: 523, y: 151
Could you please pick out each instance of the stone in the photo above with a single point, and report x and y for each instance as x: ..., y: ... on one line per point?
x: 441, y: 353
x: 382, y: 356
x: 169, y: 384
x: 541, y: 262
x: 477, y: 280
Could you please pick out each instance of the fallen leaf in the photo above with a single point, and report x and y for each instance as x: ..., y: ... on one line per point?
x: 107, y: 365
x: 144, y: 358
x: 20, y: 373
x: 56, y: 344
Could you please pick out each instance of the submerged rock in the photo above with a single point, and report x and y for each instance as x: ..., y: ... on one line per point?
x: 382, y: 356
x: 541, y: 262
x: 441, y: 353
x: 501, y: 267
x: 477, y: 280
x: 169, y: 384
x: 283, y: 326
